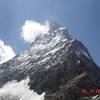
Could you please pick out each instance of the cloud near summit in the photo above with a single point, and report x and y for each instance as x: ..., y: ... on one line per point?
x: 32, y: 29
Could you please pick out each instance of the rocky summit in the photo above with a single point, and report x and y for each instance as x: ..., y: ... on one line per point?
x: 55, y: 67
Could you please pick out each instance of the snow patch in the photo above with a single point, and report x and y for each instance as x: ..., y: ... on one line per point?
x: 72, y: 40
x: 54, y: 41
x: 95, y: 97
x: 64, y: 40
x: 78, y: 61
x: 48, y: 67
x: 19, y: 91
x: 44, y: 60
x: 52, y: 51
x: 39, y: 47
x: 86, y: 54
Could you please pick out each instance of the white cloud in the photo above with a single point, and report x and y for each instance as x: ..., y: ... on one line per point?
x: 32, y: 29
x: 6, y: 52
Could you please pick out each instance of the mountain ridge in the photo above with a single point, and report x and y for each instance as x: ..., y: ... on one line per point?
x: 56, y: 64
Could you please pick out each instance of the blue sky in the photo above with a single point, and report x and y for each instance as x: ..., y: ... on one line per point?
x: 81, y: 17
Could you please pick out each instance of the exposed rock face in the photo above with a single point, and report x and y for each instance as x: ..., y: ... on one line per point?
x: 56, y: 64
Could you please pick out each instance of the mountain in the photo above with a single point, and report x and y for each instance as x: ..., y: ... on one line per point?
x: 55, y: 67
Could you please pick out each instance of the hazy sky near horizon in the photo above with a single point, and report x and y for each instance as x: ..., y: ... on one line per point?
x: 81, y: 17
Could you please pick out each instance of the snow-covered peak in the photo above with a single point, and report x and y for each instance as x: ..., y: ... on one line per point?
x: 55, y: 30
x: 48, y: 44
x: 58, y: 35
